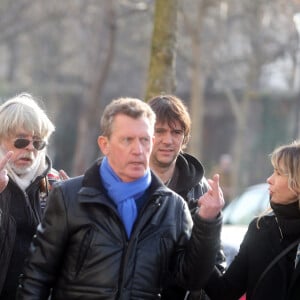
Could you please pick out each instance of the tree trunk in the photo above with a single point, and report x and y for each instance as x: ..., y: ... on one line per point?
x: 197, y: 107
x: 161, y: 74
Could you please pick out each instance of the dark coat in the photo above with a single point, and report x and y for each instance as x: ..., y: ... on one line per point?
x: 20, y: 213
x: 82, y: 251
x: 259, y: 247
x: 189, y: 182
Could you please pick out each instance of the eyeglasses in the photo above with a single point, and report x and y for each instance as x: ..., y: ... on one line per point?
x: 21, y: 143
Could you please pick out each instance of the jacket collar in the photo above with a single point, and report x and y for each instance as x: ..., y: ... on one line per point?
x: 93, y: 190
x: 190, y: 172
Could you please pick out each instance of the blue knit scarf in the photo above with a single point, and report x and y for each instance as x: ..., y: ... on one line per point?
x: 124, y: 194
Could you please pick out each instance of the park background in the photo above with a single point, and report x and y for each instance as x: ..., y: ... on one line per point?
x: 235, y: 63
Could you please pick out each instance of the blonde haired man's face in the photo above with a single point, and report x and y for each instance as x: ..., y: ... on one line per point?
x: 129, y: 146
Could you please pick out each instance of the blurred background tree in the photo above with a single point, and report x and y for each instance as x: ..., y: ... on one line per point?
x: 234, y: 64
x: 161, y: 74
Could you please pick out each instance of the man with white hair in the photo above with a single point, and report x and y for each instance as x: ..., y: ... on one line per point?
x: 26, y: 176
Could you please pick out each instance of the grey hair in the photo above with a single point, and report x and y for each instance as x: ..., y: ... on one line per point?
x: 131, y: 107
x: 23, y: 112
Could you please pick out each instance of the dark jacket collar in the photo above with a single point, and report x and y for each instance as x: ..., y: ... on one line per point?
x: 92, y: 179
x: 190, y: 172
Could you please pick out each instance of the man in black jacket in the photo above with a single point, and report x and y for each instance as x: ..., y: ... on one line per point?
x: 180, y: 171
x: 117, y: 232
x: 25, y: 179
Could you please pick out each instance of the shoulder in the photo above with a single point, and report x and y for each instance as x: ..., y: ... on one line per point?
x: 190, y: 169
x: 163, y: 193
x: 74, y: 183
x: 261, y: 226
x: 189, y: 161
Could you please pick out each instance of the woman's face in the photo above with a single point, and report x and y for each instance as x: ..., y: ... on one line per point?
x: 280, y: 193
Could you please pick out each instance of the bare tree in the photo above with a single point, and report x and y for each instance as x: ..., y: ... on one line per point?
x: 161, y: 74
x: 91, y: 106
x: 194, y: 28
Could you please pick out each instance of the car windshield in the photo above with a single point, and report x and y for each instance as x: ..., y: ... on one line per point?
x: 248, y: 205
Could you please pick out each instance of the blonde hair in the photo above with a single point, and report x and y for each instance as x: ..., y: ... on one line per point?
x: 23, y: 112
x: 286, y: 159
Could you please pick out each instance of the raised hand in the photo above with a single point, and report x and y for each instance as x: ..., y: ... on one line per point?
x: 212, y: 202
x: 3, y: 172
x: 63, y: 175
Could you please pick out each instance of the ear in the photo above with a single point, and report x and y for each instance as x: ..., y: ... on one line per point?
x: 103, y: 144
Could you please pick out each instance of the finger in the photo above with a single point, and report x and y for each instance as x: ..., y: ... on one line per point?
x: 63, y: 175
x: 216, y: 179
x: 215, y: 184
x: 5, y: 159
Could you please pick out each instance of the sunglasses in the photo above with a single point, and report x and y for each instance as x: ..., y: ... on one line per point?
x: 22, y: 143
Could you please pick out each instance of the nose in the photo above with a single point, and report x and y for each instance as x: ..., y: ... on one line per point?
x: 137, y: 147
x: 167, y: 138
x: 269, y: 179
x: 30, y: 146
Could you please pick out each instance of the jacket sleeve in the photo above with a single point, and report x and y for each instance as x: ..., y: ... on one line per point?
x: 233, y: 283
x: 46, y: 251
x: 198, y: 258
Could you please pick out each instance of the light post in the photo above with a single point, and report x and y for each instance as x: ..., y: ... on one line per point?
x: 296, y: 83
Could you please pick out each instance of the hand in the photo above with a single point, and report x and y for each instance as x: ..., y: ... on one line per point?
x: 63, y: 175
x: 3, y: 172
x: 212, y: 202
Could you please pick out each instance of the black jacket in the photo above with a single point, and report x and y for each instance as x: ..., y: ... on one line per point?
x: 259, y: 247
x: 81, y: 248
x: 190, y: 183
x: 20, y: 213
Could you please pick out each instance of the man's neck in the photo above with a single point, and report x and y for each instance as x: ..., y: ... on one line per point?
x: 164, y: 173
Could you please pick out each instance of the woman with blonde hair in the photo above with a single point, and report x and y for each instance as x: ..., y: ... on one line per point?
x: 266, y: 266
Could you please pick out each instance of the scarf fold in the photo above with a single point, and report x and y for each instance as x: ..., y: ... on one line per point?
x: 124, y: 194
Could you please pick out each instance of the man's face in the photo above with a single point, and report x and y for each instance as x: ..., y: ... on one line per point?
x: 168, y: 143
x: 23, y: 158
x: 129, y: 146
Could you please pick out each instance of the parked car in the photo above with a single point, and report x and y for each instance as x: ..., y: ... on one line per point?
x: 238, y: 214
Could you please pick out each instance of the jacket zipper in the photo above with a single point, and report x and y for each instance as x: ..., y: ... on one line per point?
x: 33, y: 213
x: 132, y: 242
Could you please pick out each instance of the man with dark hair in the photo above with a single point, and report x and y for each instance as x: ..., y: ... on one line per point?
x: 117, y: 232
x: 180, y: 171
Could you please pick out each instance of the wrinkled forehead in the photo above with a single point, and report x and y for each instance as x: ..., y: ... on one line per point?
x: 124, y: 124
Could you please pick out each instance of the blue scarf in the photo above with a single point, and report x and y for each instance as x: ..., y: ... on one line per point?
x: 124, y: 194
